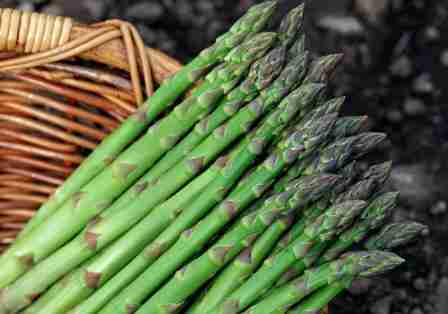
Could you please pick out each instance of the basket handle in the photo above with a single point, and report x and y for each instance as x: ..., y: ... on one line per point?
x: 39, y: 39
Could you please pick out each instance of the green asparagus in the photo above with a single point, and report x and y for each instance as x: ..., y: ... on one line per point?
x: 373, y: 217
x: 292, y: 72
x: 209, y: 199
x: 252, y: 22
x: 394, y: 235
x: 192, y: 276
x: 354, y: 264
x: 318, y: 300
x: 99, y: 192
x: 330, y: 223
x: 242, y: 267
x: 260, y: 76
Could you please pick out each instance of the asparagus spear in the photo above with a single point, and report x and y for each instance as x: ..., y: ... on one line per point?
x: 229, y: 175
x: 349, y: 265
x: 121, y: 174
x: 350, y: 126
x: 373, y: 217
x: 320, y: 299
x: 323, y: 67
x: 380, y: 172
x: 242, y: 267
x: 326, y: 226
x: 298, y: 47
x: 290, y: 26
x: 331, y: 106
x: 367, y: 142
x: 252, y: 22
x: 394, y: 235
x: 196, y: 273
x: 289, y: 76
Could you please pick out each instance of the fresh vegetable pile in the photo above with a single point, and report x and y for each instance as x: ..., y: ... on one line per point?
x: 243, y: 197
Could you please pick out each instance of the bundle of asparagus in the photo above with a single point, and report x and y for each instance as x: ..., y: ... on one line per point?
x: 245, y: 196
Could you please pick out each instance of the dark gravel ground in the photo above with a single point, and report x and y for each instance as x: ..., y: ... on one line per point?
x: 395, y: 70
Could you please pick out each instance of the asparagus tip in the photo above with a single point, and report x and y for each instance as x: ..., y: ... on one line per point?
x: 379, y: 209
x: 366, y: 142
x: 291, y: 24
x: 312, y: 188
x: 372, y: 263
x: 335, y: 220
x: 380, y: 172
x: 251, y: 49
x: 395, y: 234
x: 323, y: 67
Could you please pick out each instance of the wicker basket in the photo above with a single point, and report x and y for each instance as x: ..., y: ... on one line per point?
x: 63, y: 87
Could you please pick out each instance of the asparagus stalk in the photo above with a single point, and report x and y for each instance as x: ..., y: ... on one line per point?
x: 320, y: 299
x: 292, y: 73
x: 101, y: 190
x: 394, y: 235
x: 252, y: 22
x: 242, y: 267
x: 330, y: 223
x: 349, y: 265
x: 231, y: 172
x: 373, y: 217
x: 192, y: 276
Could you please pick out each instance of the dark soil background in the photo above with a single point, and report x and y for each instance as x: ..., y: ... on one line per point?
x: 395, y: 70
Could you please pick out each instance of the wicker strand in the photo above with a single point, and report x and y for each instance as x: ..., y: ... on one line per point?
x: 32, y: 32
